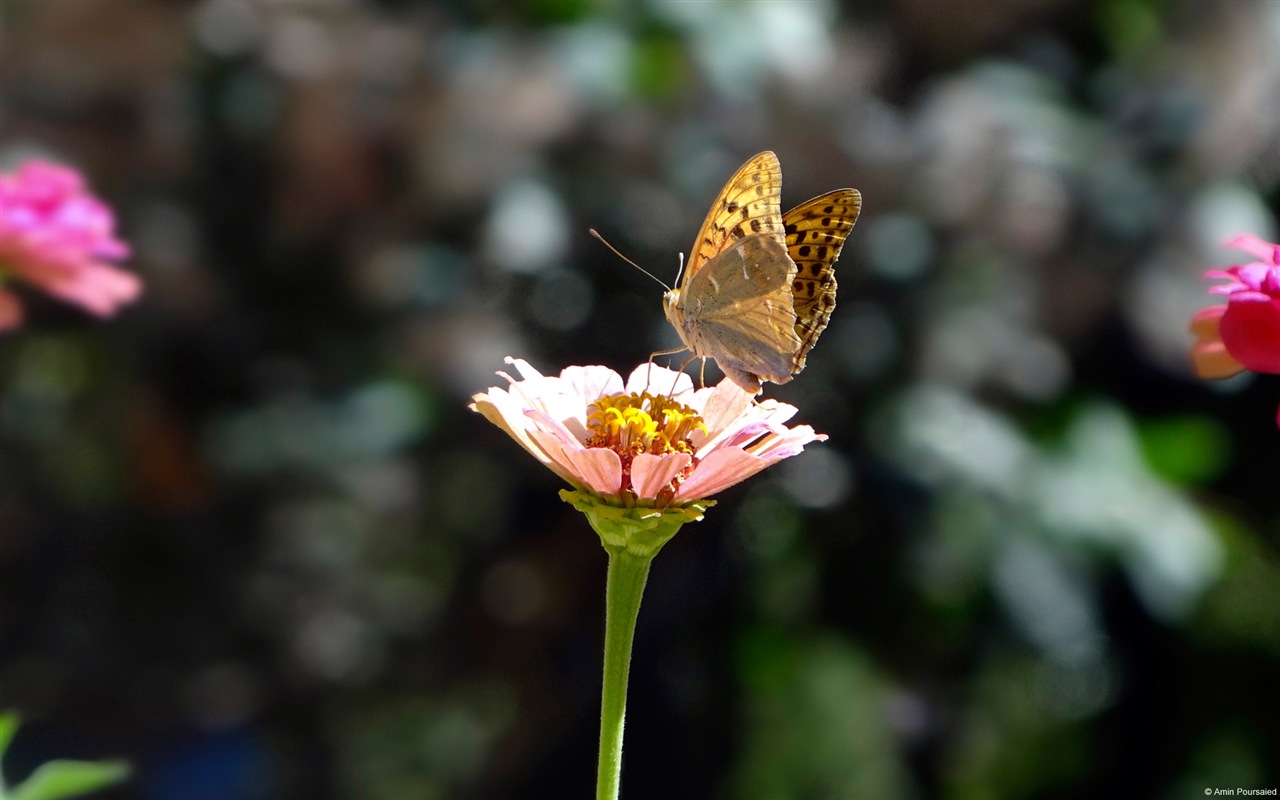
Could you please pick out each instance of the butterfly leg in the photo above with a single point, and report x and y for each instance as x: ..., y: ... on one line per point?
x: 649, y: 373
x: 685, y: 363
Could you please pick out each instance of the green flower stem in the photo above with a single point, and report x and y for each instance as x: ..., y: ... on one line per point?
x: 631, y: 536
x: 627, y: 575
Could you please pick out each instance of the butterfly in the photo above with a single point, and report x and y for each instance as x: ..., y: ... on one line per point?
x: 760, y: 286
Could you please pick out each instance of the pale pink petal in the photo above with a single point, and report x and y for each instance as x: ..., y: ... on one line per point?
x: 508, y: 406
x: 726, y: 403
x: 650, y: 474
x: 725, y: 414
x: 744, y: 425
x: 1256, y: 247
x: 555, y: 398
x: 786, y: 443
x: 591, y: 383
x: 656, y: 380
x: 525, y: 369
x: 718, y: 472
x: 745, y: 435
x: 562, y: 398
x: 554, y: 427
x: 98, y: 288
x: 10, y: 311
x: 777, y: 413
x: 485, y: 404
x: 598, y: 469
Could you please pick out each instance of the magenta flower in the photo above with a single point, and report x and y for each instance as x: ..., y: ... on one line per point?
x: 56, y: 236
x: 1244, y: 333
x: 653, y: 442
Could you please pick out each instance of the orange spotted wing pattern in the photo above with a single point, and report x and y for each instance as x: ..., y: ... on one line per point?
x: 748, y: 204
x: 815, y: 232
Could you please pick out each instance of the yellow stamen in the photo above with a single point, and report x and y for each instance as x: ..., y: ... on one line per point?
x: 635, y: 423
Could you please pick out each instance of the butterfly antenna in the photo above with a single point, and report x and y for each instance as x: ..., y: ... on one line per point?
x: 629, y: 261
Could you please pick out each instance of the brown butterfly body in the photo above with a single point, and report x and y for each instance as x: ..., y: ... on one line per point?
x: 760, y: 285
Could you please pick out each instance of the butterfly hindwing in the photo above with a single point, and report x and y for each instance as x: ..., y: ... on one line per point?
x: 815, y: 231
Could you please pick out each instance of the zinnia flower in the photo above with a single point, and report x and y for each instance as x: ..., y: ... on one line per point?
x: 1244, y: 333
x: 655, y: 442
x: 57, y: 236
x: 644, y: 457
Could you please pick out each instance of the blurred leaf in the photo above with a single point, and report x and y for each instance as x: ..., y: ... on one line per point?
x: 1129, y: 26
x: 815, y: 721
x: 660, y: 67
x: 1226, y: 756
x: 1011, y: 739
x: 59, y: 779
x: 1185, y: 450
x: 1243, y: 609
x: 557, y: 12
x: 8, y: 727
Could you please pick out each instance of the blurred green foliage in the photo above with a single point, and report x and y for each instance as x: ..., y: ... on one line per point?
x: 55, y: 780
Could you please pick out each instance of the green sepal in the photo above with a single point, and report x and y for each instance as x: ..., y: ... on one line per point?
x: 637, y: 530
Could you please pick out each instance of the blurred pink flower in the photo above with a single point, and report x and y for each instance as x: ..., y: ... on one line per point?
x: 1244, y: 333
x: 652, y: 442
x: 57, y: 236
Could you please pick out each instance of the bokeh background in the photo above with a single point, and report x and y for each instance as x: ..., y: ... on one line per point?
x: 252, y: 540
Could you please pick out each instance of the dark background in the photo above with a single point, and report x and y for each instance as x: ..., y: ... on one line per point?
x: 252, y: 540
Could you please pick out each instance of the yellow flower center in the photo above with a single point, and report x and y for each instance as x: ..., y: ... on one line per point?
x: 631, y: 424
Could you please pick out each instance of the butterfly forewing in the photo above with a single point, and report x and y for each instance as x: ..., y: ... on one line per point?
x: 815, y: 232
x: 750, y: 203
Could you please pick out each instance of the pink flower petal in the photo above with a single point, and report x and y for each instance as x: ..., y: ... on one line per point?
x: 591, y: 383
x: 659, y: 380
x: 718, y: 472
x: 1256, y: 247
x: 55, y: 236
x: 727, y: 403
x: 650, y: 474
x: 554, y: 427
x: 547, y: 416
x: 490, y: 405
x: 523, y: 367
x: 1250, y: 330
x: 98, y: 288
x: 554, y: 397
x: 786, y: 442
x: 745, y: 425
x: 597, y: 468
